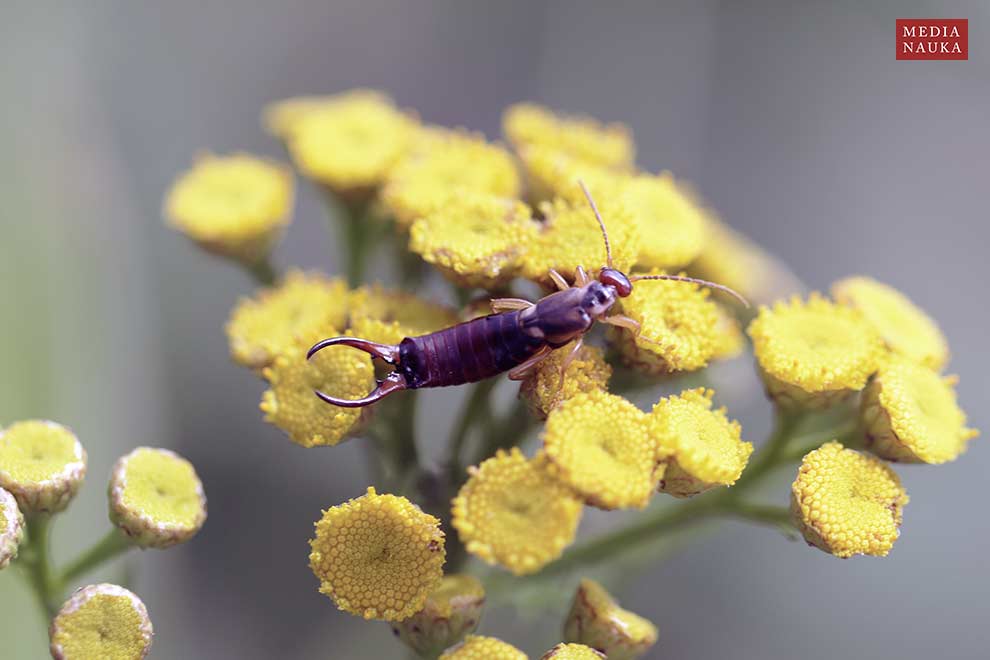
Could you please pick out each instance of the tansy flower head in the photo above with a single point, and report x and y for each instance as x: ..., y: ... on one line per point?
x: 905, y: 328
x: 235, y: 206
x: 553, y: 173
x: 813, y: 354
x: 573, y: 652
x: 301, y: 304
x: 729, y: 338
x: 570, y: 237
x: 910, y: 414
x: 156, y: 498
x: 445, y: 165
x: 290, y: 403
x: 672, y: 224
x: 599, y: 444
x: 475, y: 239
x: 543, y: 390
x: 512, y: 513
x: 378, y: 556
x: 597, y: 620
x: 101, y: 621
x: 702, y: 446
x: 451, y: 612
x: 847, y: 503
x: 11, y: 528
x: 414, y: 315
x: 678, y: 327
x: 42, y: 465
x: 476, y: 647
x: 349, y: 142
x: 609, y: 145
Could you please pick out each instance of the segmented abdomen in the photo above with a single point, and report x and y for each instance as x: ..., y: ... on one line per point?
x: 468, y: 352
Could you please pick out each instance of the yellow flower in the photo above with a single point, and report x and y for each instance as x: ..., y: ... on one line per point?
x: 11, y: 528
x: 678, y: 327
x: 599, y: 444
x: 815, y: 353
x: 610, y: 145
x: 597, y: 620
x: 378, y: 556
x: 451, y: 612
x: 570, y: 237
x: 235, y: 206
x: 905, y: 328
x: 512, y: 513
x: 910, y: 414
x: 414, y: 315
x: 729, y: 338
x: 290, y: 403
x: 446, y: 165
x: 42, y: 464
x: 573, y: 652
x: 476, y: 647
x: 349, y: 142
x: 156, y: 498
x: 475, y: 239
x: 702, y: 446
x: 301, y: 304
x: 672, y: 224
x: 847, y: 503
x: 543, y: 389
x: 101, y: 621
x: 552, y: 173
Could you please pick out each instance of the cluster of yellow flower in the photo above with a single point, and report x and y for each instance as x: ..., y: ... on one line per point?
x: 156, y: 500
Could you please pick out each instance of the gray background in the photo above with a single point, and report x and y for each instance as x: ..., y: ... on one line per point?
x: 793, y: 118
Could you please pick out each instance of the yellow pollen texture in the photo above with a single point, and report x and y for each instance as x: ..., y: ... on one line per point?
x: 911, y: 414
x: 105, y: 625
x: 671, y: 222
x: 573, y: 652
x: 35, y: 451
x: 599, y: 444
x: 906, y: 329
x: 703, y: 446
x: 609, y: 145
x: 511, y: 512
x: 543, y: 390
x: 164, y: 487
x: 847, y: 503
x: 378, y: 556
x: 476, y: 647
x: 415, y: 315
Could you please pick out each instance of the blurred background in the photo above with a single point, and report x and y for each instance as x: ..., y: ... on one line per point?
x: 793, y: 119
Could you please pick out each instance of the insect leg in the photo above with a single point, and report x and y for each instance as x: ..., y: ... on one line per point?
x: 623, y: 321
x: 566, y: 362
x: 520, y: 372
x: 581, y: 276
x: 509, y: 304
x: 559, y: 280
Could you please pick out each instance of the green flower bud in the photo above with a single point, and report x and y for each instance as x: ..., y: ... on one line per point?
x: 597, y: 620
x: 42, y: 464
x: 451, y: 612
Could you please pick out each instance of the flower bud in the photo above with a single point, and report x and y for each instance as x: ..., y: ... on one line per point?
x: 101, y: 621
x: 477, y: 647
x: 573, y: 652
x: 451, y: 612
x: 597, y: 620
x: 42, y: 464
x: 11, y: 528
x: 156, y: 498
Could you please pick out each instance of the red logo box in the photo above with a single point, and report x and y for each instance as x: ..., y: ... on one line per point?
x: 933, y: 38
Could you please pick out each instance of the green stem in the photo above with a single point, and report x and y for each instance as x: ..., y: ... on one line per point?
x: 263, y: 271
x: 476, y: 401
x: 777, y: 516
x: 356, y: 240
x: 507, y: 431
x: 112, y: 544
x: 37, y: 563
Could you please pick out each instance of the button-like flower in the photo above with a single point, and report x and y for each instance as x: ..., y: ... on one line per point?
x: 678, y: 327
x: 235, y: 206
x: 290, y: 404
x: 543, y: 390
x: 348, y: 142
x: 156, y: 498
x: 415, y: 315
x: 573, y: 652
x: 702, y: 446
x: 671, y: 221
x: 378, y: 556
x: 477, y: 647
x: 905, y: 328
x: 552, y: 173
x: 42, y: 464
x: 609, y: 145
x: 910, y: 414
x: 847, y: 503
x: 101, y: 621
x: 301, y: 304
x: 599, y: 444
x: 596, y: 620
x: 444, y: 165
x: 475, y: 239
x: 814, y: 353
x: 511, y: 512
x: 451, y: 612
x: 11, y: 528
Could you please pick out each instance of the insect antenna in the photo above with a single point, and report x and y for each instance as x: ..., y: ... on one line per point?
x: 694, y: 280
x: 601, y: 223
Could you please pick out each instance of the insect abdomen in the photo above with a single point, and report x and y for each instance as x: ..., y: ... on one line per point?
x: 467, y: 352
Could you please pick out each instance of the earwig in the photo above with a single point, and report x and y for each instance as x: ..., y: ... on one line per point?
x: 516, y: 337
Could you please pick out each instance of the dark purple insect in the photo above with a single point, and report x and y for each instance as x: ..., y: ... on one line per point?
x: 515, y: 338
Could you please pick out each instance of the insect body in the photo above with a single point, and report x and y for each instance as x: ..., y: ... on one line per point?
x: 515, y: 338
